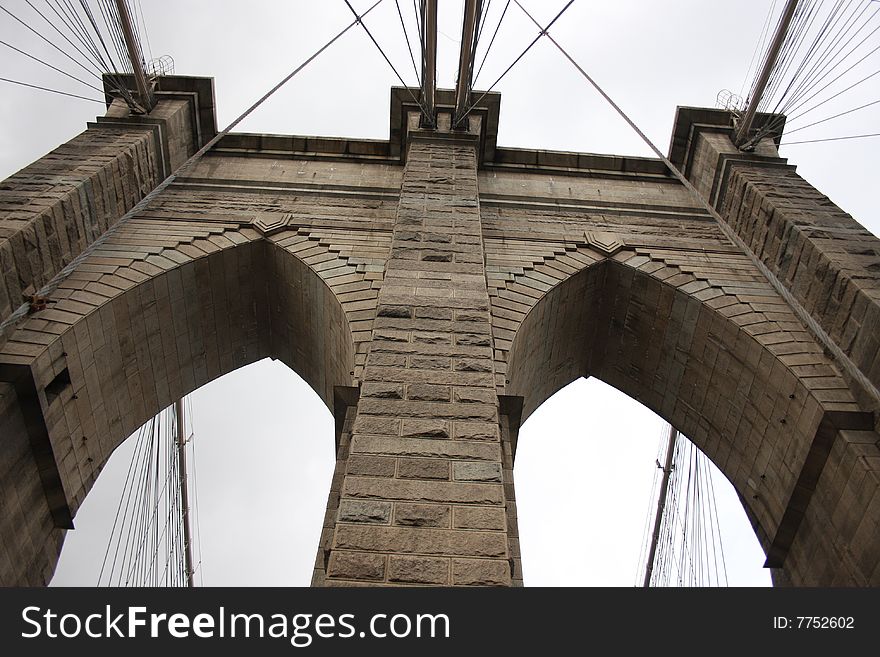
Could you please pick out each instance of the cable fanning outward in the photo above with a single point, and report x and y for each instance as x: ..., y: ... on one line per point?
x: 491, y: 41
x: 543, y: 32
x: 82, y: 39
x: 826, y: 48
x: 54, y: 91
x: 359, y: 20
x: 690, y: 550
x: 147, y: 542
x: 408, y: 44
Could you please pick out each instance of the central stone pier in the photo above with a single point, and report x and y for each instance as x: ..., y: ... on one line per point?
x: 421, y: 472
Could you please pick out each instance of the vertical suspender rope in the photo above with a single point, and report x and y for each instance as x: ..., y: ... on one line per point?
x: 839, y: 355
x: 661, y: 506
x: 52, y: 285
x: 180, y: 439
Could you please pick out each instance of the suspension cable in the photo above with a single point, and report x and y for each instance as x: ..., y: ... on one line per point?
x: 408, y: 44
x: 491, y: 41
x: 54, y: 91
x: 47, y: 64
x: 359, y: 20
x: 41, y: 36
x: 815, y: 141
x: 830, y: 49
x: 543, y: 32
x: 828, y: 118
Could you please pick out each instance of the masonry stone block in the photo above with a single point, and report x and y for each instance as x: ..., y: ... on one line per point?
x: 421, y: 515
x: 468, y: 471
x: 369, y: 512
x: 479, y: 517
x: 418, y: 570
x: 480, y: 572
x: 428, y: 468
x: 356, y: 566
x: 406, y: 540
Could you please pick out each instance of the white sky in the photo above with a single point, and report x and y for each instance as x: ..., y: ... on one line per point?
x: 586, y: 458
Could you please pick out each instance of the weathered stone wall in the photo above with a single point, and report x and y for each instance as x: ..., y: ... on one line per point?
x: 51, y: 210
x: 823, y: 256
x: 640, y: 289
x: 54, y: 208
x: 433, y: 306
x: 30, y: 540
x: 163, y: 308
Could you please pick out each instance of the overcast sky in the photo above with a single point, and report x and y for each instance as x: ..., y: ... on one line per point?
x: 265, y: 442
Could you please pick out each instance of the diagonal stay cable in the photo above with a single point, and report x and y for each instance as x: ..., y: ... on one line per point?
x: 815, y: 141
x: 418, y: 12
x: 146, y: 32
x: 54, y: 91
x: 543, y: 32
x: 828, y: 118
x: 47, y: 64
x: 485, y: 14
x: 491, y: 41
x: 77, y: 30
x: 137, y: 31
x: 481, y: 14
x: 839, y: 76
x: 408, y: 44
x: 71, y: 19
x: 806, y: 65
x: 52, y: 285
x: 799, y: 101
x: 94, y: 23
x: 717, y: 524
x: 832, y: 53
x: 359, y: 19
x: 114, y: 33
x: 111, y: 63
x: 759, y: 47
x: 40, y: 35
x: 119, y: 512
x: 837, y: 353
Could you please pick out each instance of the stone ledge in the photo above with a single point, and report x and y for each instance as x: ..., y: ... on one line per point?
x: 691, y: 121
x: 486, y: 116
x: 181, y: 87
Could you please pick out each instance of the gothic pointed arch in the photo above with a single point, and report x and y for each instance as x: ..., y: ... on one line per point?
x: 723, y: 359
x: 146, y: 319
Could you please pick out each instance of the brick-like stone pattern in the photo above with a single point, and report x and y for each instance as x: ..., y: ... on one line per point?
x: 51, y: 210
x: 425, y: 445
x: 828, y: 260
x: 436, y: 288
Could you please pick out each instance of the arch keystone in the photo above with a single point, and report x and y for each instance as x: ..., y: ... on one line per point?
x: 269, y: 223
x: 607, y: 243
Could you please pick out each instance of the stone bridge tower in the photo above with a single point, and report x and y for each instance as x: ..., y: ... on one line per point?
x: 435, y: 289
